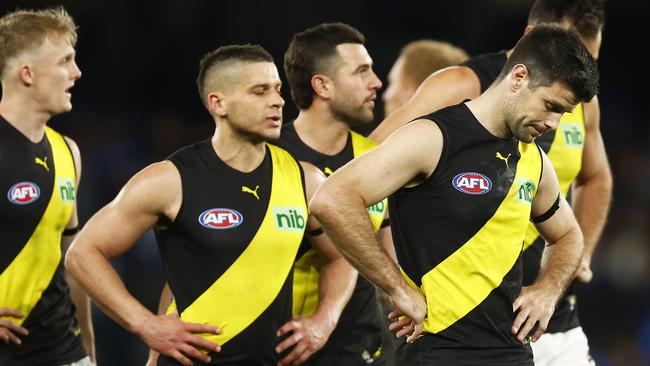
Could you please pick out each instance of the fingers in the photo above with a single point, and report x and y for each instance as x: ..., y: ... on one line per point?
x: 406, y: 330
x: 201, y: 328
x: 194, y: 353
x: 180, y: 358
x: 400, y: 323
x: 11, y: 312
x: 415, y: 334
x: 290, y: 341
x: 395, y: 314
x: 519, y: 321
x: 6, y: 336
x: 294, y: 357
x: 289, y: 326
x: 13, y: 327
x: 203, y: 343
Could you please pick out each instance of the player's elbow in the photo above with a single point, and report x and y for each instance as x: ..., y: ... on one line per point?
x: 73, y: 259
x: 321, y: 203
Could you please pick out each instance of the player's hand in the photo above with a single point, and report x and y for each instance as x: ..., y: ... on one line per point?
x: 583, y: 273
x: 535, y: 305
x: 408, y: 316
x: 171, y: 336
x: 9, y: 330
x: 308, y: 335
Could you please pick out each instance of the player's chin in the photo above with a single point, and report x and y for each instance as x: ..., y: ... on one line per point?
x: 272, y: 134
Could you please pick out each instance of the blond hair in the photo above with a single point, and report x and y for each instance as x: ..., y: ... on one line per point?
x: 24, y: 30
x: 424, y: 57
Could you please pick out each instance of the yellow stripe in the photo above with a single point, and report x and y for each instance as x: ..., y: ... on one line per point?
x: 566, y: 156
x: 464, y: 279
x: 253, y: 281
x: 23, y: 282
x: 360, y: 146
x: 305, y: 283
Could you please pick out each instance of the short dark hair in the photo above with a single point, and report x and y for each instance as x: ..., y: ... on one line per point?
x: 311, y: 52
x: 226, y: 55
x: 586, y: 16
x: 554, y: 54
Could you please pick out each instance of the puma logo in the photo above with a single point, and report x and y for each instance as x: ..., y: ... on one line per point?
x: 499, y: 156
x: 328, y: 171
x: 251, y: 191
x: 42, y: 162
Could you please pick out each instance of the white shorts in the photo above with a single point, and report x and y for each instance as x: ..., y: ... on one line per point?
x: 562, y: 349
x: 83, y: 362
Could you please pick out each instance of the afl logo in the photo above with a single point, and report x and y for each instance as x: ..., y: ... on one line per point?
x: 220, y: 218
x: 23, y: 193
x: 472, y: 183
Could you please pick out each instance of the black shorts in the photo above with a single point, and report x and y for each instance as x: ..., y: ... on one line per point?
x: 419, y: 353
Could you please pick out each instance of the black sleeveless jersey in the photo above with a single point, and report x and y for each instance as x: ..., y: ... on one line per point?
x: 358, y: 327
x: 230, y: 251
x: 459, y: 235
x: 38, y: 184
x: 564, y: 148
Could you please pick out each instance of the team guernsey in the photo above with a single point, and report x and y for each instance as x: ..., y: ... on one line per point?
x: 230, y: 251
x: 38, y: 184
x: 564, y: 147
x: 458, y: 238
x: 357, y: 336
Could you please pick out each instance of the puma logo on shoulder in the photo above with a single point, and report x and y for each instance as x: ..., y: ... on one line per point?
x: 42, y: 162
x: 499, y: 156
x: 328, y: 171
x: 251, y: 191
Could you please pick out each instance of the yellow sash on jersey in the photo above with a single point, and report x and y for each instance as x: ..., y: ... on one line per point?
x: 307, y: 268
x: 255, y: 279
x: 566, y: 155
x: 23, y: 282
x: 464, y: 279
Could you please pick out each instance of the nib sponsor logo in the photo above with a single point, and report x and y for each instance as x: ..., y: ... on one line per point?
x: 220, y: 218
x: 23, y: 193
x: 289, y: 218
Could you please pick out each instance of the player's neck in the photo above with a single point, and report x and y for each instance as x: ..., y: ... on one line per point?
x: 488, y: 110
x: 320, y: 131
x: 24, y: 116
x: 237, y: 151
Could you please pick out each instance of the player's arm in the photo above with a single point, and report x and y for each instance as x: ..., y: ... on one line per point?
x: 592, y: 189
x: 166, y: 297
x: 78, y: 295
x: 407, y: 157
x: 152, y: 193
x: 335, y: 286
x: 554, y: 220
x: 385, y: 237
x: 443, y: 88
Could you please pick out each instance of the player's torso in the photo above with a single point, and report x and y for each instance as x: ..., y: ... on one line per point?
x: 38, y: 188
x: 230, y: 250
x: 459, y: 234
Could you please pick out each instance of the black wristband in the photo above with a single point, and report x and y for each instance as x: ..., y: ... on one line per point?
x: 71, y: 231
x: 315, y: 232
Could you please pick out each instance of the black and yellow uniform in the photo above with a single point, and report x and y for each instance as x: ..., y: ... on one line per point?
x: 38, y: 184
x: 357, y: 337
x: 230, y: 250
x: 564, y: 147
x: 458, y: 238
